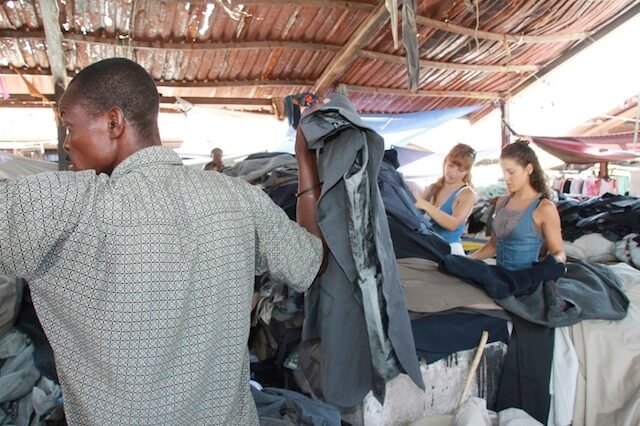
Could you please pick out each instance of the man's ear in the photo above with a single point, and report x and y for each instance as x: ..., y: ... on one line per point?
x: 116, y: 122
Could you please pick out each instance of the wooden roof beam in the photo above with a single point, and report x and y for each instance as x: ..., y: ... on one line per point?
x: 235, y: 83
x: 423, y: 93
x: 353, y: 5
x: 612, y: 122
x: 24, y: 100
x: 53, y: 38
x: 349, y: 53
x: 509, y: 38
x: 57, y: 63
x: 189, y: 83
x: 183, y: 45
x: 425, y: 63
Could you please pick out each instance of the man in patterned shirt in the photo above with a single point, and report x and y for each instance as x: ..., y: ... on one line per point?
x: 141, y: 270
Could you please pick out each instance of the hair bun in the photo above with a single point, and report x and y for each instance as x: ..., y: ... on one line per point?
x: 524, y: 142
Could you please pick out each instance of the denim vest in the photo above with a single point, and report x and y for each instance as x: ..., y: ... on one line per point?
x: 447, y: 207
x: 521, y: 248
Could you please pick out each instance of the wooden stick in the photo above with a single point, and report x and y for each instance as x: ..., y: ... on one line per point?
x: 487, y: 35
x: 425, y: 63
x: 421, y: 93
x: 474, y: 367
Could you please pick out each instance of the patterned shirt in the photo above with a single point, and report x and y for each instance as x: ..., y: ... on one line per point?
x: 143, y: 284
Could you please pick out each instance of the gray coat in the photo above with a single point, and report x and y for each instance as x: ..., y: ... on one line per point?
x: 356, y: 308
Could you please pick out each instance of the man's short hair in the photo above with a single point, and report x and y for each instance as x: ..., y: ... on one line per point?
x: 122, y: 83
x: 216, y: 151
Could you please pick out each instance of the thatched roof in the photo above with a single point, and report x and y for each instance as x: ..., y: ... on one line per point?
x: 250, y: 54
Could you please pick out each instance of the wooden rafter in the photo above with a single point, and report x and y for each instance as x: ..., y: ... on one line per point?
x: 27, y: 100
x: 424, y: 63
x: 190, y: 83
x: 235, y: 84
x: 353, y: 5
x: 422, y: 93
x: 612, y: 122
x: 57, y: 63
x: 508, y: 38
x: 349, y: 53
x: 182, y: 46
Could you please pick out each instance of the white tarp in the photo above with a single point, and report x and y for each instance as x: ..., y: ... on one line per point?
x: 12, y: 166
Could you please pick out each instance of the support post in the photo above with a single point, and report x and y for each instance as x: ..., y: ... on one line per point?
x: 505, y: 133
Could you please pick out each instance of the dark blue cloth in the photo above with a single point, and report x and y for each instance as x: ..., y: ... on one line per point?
x: 409, y: 243
x: 500, y: 282
x: 586, y: 291
x: 613, y: 216
x: 274, y: 404
x: 437, y: 336
x: 398, y: 200
x: 284, y: 196
x: 526, y: 371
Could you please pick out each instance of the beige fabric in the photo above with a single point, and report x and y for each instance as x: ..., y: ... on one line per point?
x: 608, y: 388
x: 428, y: 290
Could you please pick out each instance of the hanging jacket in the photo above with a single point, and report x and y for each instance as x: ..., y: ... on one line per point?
x: 356, y: 308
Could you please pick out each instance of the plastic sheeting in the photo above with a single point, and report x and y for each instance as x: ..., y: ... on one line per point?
x: 398, y: 130
x: 402, y: 129
x: 589, y: 149
x: 12, y: 166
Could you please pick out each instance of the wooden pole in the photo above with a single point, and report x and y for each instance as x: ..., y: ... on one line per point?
x: 349, y: 52
x: 504, y: 119
x: 63, y: 163
x: 474, y: 367
x: 55, y: 54
x: 504, y: 38
x: 635, y: 131
x: 421, y: 93
x: 604, y: 169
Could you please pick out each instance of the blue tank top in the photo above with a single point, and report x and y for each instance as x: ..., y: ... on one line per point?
x: 447, y: 207
x: 521, y: 248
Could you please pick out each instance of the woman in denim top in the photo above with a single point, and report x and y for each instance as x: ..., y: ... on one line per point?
x: 525, y: 220
x: 450, y: 200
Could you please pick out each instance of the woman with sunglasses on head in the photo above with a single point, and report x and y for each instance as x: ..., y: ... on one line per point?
x: 450, y: 200
x: 526, y: 219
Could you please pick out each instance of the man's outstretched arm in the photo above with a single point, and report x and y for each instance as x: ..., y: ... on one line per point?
x: 309, y: 187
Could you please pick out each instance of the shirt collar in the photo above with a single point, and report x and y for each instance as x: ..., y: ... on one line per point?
x: 144, y: 157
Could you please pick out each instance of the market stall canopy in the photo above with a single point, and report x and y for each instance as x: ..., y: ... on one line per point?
x: 589, y: 149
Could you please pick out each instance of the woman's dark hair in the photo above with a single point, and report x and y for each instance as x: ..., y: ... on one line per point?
x: 521, y: 153
x: 461, y: 155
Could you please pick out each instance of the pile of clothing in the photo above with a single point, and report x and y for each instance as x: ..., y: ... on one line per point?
x: 30, y: 393
x: 603, y: 229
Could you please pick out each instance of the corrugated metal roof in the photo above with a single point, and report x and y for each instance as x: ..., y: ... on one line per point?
x: 270, y: 49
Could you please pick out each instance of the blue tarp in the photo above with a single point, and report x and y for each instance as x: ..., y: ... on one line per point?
x: 408, y: 155
x: 399, y: 130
